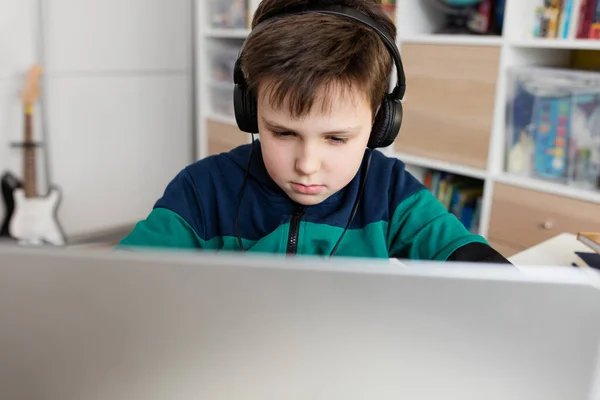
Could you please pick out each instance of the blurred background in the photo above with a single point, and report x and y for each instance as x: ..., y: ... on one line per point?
x: 501, y: 122
x: 116, y: 112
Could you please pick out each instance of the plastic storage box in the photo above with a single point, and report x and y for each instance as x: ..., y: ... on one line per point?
x: 553, y: 125
x: 227, y: 14
x: 221, y: 103
x: 222, y: 56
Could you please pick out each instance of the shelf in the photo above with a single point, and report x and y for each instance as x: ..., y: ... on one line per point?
x: 541, y: 185
x: 441, y: 165
x: 467, y: 40
x: 575, y: 44
x: 482, y: 69
x: 227, y: 33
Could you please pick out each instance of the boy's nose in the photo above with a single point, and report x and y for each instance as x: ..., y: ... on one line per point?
x: 307, y: 161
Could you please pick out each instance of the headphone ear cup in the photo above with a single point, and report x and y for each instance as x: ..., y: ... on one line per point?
x: 244, y: 105
x: 387, y: 124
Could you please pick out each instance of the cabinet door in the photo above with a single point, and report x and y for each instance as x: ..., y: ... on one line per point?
x: 449, y: 103
x: 523, y: 217
x: 224, y: 137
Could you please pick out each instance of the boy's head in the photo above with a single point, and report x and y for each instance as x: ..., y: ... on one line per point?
x: 319, y: 81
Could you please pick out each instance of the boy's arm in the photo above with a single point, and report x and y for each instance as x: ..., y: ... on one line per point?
x: 478, y: 252
x: 162, y: 228
x: 421, y: 228
x: 175, y: 221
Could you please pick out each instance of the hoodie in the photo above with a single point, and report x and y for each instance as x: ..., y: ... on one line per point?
x: 398, y: 217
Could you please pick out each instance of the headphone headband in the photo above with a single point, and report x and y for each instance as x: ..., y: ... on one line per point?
x: 335, y: 9
x: 388, y: 120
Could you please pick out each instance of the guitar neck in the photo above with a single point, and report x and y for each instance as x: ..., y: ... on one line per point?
x: 29, y: 159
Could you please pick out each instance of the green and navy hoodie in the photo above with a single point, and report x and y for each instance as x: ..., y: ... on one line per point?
x: 398, y: 217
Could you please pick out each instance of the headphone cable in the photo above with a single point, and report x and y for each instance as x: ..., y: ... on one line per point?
x: 352, y: 214
x: 241, y: 195
x: 356, y: 202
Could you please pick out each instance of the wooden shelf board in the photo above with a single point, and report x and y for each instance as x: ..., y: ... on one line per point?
x: 441, y: 165
x: 470, y: 40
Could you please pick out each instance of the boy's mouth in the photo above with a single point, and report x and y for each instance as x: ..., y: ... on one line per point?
x: 307, y: 189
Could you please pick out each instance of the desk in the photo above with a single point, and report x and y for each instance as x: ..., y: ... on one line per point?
x: 557, y: 251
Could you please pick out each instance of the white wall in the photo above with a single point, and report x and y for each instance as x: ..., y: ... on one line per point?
x: 118, y: 101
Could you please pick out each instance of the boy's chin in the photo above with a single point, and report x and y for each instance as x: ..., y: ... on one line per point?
x: 308, y: 200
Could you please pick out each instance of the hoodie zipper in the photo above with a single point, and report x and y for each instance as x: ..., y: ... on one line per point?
x: 292, y: 245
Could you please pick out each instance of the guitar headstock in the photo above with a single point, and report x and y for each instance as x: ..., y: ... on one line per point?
x: 31, y: 90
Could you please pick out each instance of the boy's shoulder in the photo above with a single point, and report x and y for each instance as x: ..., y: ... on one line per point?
x: 215, y: 176
x: 388, y: 174
x: 387, y: 164
x: 203, y: 183
x: 225, y: 167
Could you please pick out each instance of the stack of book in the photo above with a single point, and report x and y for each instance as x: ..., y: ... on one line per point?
x: 460, y: 195
x: 567, y: 19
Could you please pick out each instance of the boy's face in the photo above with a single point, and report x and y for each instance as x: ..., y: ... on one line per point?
x: 315, y: 156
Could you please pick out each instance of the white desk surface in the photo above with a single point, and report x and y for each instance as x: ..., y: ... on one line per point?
x: 557, y: 251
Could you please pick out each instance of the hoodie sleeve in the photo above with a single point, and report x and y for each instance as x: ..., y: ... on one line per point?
x: 421, y: 228
x: 173, y: 222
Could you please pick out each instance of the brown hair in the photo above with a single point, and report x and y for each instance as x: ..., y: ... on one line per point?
x: 294, y: 57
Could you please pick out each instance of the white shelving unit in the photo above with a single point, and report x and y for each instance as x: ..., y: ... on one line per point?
x: 238, y: 33
x: 424, y: 162
x: 417, y: 23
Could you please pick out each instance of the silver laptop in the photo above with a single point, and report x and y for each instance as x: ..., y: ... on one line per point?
x: 98, y: 325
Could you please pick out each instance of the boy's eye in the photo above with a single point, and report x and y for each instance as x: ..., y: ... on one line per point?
x: 331, y: 139
x: 283, y: 134
x: 337, y: 140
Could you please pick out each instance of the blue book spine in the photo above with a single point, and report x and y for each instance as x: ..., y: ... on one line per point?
x: 568, y: 13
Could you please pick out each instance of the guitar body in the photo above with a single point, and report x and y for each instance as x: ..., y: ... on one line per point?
x: 34, y: 219
x: 9, y: 184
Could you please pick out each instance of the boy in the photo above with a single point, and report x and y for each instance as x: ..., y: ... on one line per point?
x: 310, y: 83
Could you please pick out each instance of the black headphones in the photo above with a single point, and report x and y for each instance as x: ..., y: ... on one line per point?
x: 389, y: 117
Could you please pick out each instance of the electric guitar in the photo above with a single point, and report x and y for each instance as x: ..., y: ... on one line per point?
x: 35, y: 217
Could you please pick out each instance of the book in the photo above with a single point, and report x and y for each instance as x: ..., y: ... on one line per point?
x: 461, y: 196
x: 550, y: 16
x: 389, y: 7
x: 565, y: 19
x: 587, y: 259
x: 590, y: 239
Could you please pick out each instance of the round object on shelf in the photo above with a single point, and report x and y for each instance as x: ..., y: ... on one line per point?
x: 457, y: 13
x: 547, y: 225
x: 461, y: 3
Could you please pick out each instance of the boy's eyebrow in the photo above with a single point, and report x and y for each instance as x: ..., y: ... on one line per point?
x: 346, y: 130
